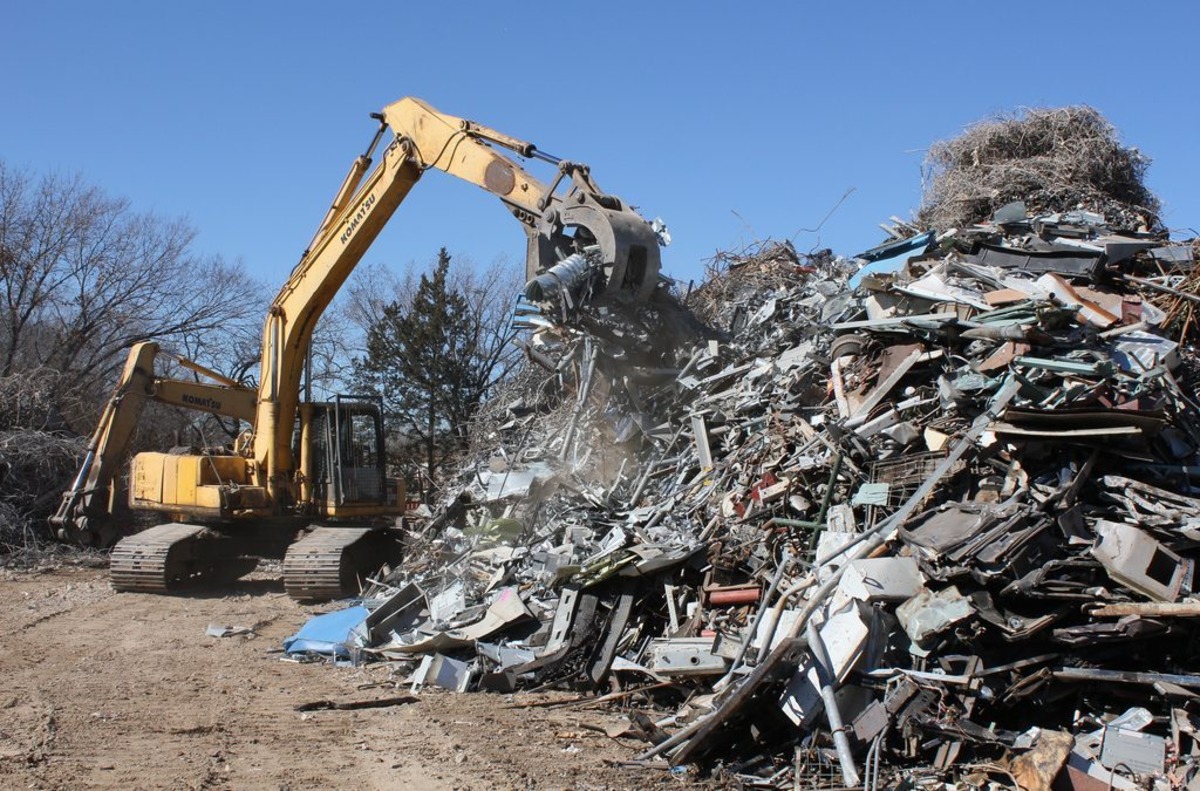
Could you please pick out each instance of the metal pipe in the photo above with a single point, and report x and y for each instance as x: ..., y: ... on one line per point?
x: 804, y: 523
x: 586, y: 370
x: 733, y: 597
x: 826, y: 678
x: 817, y: 524
x: 833, y: 476
x: 871, y: 765
x: 674, y: 740
x: 776, y: 611
x: 1141, y: 281
x: 865, y: 543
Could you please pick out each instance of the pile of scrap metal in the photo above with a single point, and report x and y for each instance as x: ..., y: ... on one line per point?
x: 922, y: 516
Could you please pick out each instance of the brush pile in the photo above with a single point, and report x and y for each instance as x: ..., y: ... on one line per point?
x: 1054, y: 159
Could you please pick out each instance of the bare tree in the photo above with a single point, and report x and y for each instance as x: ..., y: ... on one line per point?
x: 83, y: 276
x: 490, y: 295
x: 336, y: 341
x: 372, y: 288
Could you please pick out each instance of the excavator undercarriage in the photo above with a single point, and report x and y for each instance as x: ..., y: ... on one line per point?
x: 170, y: 556
x: 325, y: 563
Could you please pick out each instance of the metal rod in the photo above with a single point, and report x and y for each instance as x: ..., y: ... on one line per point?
x: 826, y: 677
x: 542, y: 155
x: 776, y: 611
x: 1141, y: 281
x: 762, y: 611
x: 1124, y: 676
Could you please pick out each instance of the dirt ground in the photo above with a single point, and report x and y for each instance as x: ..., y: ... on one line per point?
x: 123, y: 690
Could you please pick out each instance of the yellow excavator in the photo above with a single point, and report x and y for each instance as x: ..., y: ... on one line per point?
x: 304, y: 462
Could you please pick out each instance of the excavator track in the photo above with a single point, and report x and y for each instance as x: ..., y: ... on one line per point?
x: 155, y: 560
x: 325, y: 564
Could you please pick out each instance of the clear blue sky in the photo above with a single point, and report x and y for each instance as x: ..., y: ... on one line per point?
x: 732, y: 121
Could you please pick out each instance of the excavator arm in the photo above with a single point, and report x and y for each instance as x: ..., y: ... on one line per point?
x: 580, y: 232
x: 81, y: 516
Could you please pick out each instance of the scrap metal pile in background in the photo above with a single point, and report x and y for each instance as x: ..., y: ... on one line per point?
x: 922, y: 516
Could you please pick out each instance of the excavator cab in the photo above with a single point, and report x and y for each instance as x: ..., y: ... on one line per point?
x: 342, y: 477
x: 348, y: 453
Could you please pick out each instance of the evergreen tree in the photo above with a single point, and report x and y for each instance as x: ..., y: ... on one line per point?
x: 423, y: 357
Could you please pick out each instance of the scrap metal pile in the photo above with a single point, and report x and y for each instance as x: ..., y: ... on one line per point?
x: 928, y: 514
